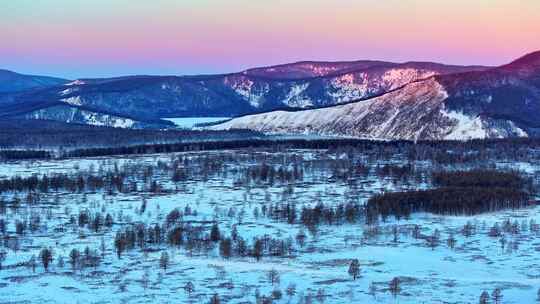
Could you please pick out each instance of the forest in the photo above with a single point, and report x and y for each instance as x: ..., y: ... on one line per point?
x: 457, y: 193
x: 28, y: 139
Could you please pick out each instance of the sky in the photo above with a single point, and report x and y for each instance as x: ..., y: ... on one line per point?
x: 102, y: 38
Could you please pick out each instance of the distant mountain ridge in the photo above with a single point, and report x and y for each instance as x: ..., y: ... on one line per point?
x: 13, y: 82
x: 148, y: 98
x: 493, y: 103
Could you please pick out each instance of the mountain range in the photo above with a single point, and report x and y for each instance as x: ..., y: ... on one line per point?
x: 492, y: 103
x: 140, y: 101
x: 368, y: 99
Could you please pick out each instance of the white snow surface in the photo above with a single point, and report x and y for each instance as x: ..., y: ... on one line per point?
x: 191, y: 122
x: 74, y: 101
x: 75, y: 82
x: 99, y: 119
x: 442, y: 275
x: 385, y: 117
x: 245, y: 88
x: 296, y: 97
x: 466, y: 127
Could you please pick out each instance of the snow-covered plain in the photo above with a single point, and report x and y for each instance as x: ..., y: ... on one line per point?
x: 317, y: 270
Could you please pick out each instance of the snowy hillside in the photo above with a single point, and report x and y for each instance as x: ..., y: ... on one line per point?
x: 414, y: 112
x: 327, y: 85
x: 496, y: 103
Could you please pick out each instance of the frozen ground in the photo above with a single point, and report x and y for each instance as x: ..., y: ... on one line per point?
x: 317, y: 270
x: 191, y: 122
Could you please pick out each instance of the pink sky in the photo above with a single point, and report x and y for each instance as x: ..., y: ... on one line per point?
x: 91, y: 38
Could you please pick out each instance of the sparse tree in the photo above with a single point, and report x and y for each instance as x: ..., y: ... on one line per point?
x: 301, y: 238
x: 416, y: 232
x: 32, y: 263
x: 497, y: 296
x: 291, y: 289
x: 495, y: 231
x: 103, y: 248
x: 451, y: 241
x: 122, y: 287
x: 225, y: 247
x: 215, y: 299
x: 395, y: 286
x: 3, y: 255
x: 215, y: 235
x: 234, y: 233
x: 74, y: 257
x: 164, y: 260
x: 321, y: 295
x: 120, y: 244
x: 60, y: 262
x: 434, y: 239
x: 372, y: 289
x: 258, y: 249
x: 273, y: 276
x: 189, y: 288
x: 277, y: 294
x: 395, y: 233
x: 46, y: 257
x: 484, y: 298
x: 468, y: 229
x: 354, y: 269
x: 145, y: 280
x: 502, y: 241
x: 143, y: 206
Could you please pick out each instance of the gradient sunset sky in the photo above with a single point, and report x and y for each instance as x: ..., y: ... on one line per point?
x: 97, y: 38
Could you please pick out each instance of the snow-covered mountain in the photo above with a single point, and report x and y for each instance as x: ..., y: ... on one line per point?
x: 494, y: 103
x: 73, y: 114
x: 297, y: 85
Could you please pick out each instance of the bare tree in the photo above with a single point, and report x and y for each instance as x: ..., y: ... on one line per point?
x: 321, y: 295
x: 451, y: 241
x: 74, y: 257
x: 502, y: 241
x: 395, y: 286
x: 273, y: 276
x: 215, y: 299
x: 395, y: 233
x: 291, y: 290
x: 372, y: 289
x: 433, y: 240
x: 189, y: 288
x: 32, y: 263
x: 145, y: 280
x: 497, y: 296
x: 416, y: 231
x: 484, y: 298
x: 60, y: 262
x: 354, y: 269
x: 3, y: 255
x: 164, y: 260
x: 46, y: 257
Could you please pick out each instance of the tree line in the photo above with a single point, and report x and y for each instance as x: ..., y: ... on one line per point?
x: 458, y: 193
